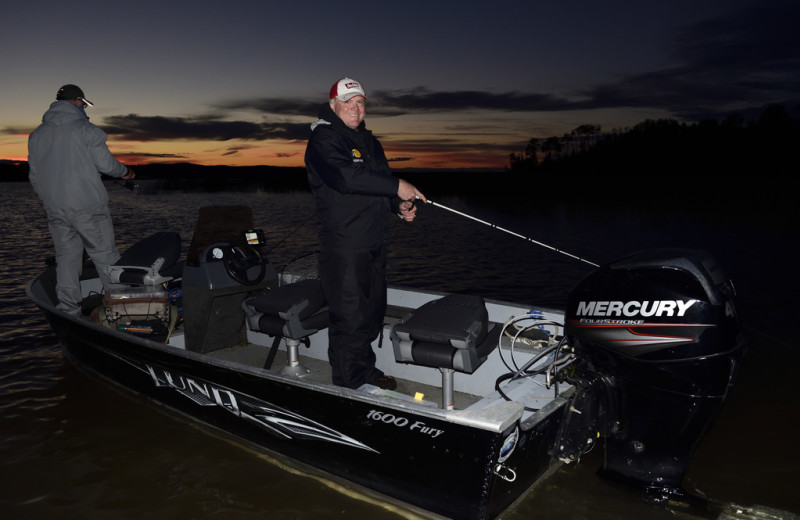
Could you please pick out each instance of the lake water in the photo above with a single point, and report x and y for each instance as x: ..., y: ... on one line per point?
x: 72, y: 447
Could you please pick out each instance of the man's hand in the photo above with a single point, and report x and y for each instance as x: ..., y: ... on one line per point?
x: 130, y: 175
x: 407, y: 192
x: 408, y: 210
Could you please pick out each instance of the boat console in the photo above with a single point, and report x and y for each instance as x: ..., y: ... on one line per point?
x: 223, y: 268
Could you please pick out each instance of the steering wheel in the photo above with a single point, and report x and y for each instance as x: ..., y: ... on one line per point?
x: 239, y: 261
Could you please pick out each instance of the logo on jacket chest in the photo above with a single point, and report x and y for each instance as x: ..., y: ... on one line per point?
x: 356, y: 155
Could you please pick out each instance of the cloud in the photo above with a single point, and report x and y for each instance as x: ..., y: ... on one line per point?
x: 151, y: 155
x: 413, y: 100
x: 281, y: 106
x: 383, y: 103
x: 432, y: 146
x: 746, y: 60
x: 742, y: 61
x: 738, y: 62
x: 398, y: 102
x: 158, y: 128
x: 18, y: 131
x: 754, y: 39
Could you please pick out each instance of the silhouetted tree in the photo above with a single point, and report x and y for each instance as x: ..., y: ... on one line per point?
x: 526, y: 161
x: 584, y: 135
x: 566, y: 142
x: 550, y: 145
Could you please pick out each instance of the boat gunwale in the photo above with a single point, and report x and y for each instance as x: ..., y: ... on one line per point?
x: 495, y: 418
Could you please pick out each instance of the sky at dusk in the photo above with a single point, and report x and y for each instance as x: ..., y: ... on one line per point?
x: 450, y: 83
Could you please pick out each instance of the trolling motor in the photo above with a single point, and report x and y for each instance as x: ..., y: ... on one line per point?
x: 657, y: 344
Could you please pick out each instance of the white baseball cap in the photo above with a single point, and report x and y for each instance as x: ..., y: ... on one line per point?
x: 347, y: 88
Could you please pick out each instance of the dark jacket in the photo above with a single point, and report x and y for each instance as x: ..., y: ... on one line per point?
x: 353, y: 186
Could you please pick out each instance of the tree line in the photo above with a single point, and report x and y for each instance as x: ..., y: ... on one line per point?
x: 667, y: 146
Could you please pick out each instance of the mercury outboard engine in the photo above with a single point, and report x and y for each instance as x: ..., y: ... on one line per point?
x: 657, y: 344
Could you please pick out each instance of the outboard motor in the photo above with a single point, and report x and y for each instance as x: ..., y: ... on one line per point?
x: 657, y: 344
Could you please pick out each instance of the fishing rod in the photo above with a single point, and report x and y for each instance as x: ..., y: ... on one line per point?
x: 129, y: 184
x: 495, y: 226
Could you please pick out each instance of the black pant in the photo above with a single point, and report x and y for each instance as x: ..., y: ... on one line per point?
x: 355, y: 286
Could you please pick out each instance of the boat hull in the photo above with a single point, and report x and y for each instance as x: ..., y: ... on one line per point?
x: 427, y: 459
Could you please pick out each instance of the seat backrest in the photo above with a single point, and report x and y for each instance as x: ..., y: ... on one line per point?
x: 459, y: 320
x: 452, y: 332
x: 294, y: 310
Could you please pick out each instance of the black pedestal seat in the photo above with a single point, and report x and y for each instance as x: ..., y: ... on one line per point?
x: 291, y: 312
x: 452, y: 334
x: 149, y: 262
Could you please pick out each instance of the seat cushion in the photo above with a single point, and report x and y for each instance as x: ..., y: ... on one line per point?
x: 459, y: 320
x: 442, y: 355
x: 302, y: 299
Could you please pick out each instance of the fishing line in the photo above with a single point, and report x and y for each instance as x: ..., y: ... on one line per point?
x: 303, y: 223
x: 495, y: 226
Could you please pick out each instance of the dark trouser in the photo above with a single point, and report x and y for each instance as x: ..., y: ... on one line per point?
x: 355, y: 286
x: 72, y: 232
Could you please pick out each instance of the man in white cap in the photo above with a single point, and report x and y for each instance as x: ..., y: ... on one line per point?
x: 355, y: 192
x: 66, y: 155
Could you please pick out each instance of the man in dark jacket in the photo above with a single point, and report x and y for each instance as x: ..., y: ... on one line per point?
x: 66, y: 155
x: 355, y: 193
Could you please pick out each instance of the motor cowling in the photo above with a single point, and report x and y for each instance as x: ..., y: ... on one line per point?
x: 658, y: 344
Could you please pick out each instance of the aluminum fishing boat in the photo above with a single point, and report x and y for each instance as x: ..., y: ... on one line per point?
x: 492, y: 396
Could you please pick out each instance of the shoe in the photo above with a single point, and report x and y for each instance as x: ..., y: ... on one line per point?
x: 385, y: 382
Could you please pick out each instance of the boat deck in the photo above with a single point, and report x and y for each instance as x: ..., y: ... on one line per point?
x: 473, y: 391
x: 320, y: 372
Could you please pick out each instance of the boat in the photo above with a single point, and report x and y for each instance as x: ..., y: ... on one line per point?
x: 492, y: 396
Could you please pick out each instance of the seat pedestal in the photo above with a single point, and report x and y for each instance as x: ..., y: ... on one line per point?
x: 293, y: 366
x: 447, y: 388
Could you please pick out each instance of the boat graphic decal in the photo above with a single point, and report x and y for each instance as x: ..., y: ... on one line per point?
x: 273, y: 419
x: 508, y: 446
x: 640, y: 337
